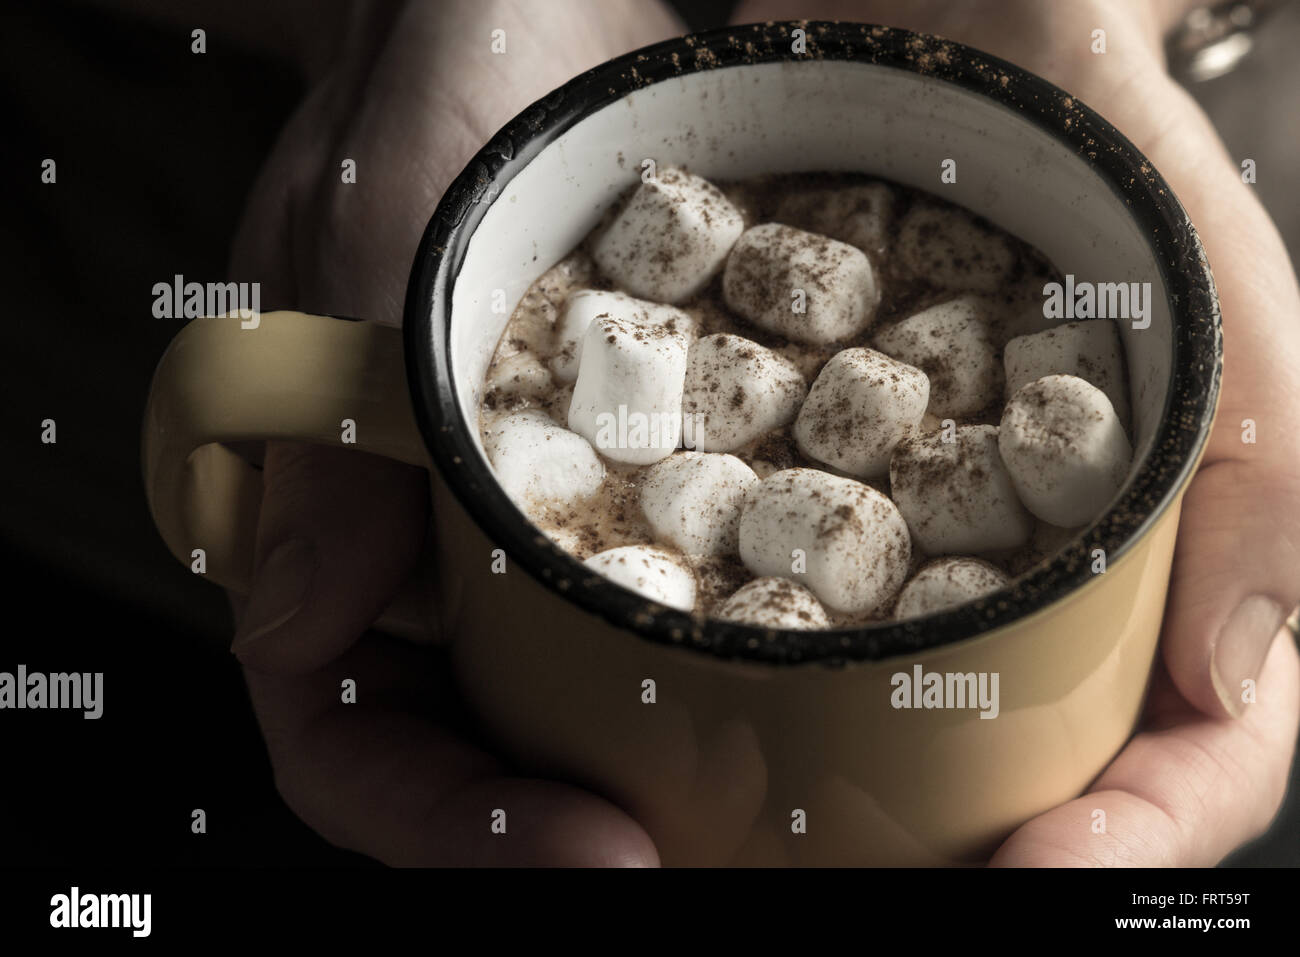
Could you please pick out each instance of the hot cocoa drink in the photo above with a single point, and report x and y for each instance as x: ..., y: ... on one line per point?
x: 804, y: 401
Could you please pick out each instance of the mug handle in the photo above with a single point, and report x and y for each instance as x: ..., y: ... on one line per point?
x: 288, y: 376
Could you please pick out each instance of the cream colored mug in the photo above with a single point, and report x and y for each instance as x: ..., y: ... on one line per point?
x: 759, y: 747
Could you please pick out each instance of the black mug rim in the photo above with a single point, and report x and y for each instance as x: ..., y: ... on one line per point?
x: 1181, y: 435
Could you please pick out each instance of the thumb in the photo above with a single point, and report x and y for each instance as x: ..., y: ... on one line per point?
x: 339, y: 531
x: 1236, y: 576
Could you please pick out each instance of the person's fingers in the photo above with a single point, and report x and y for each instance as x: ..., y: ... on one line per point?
x: 338, y: 533
x: 1186, y: 790
x: 379, y: 776
x: 1235, y: 579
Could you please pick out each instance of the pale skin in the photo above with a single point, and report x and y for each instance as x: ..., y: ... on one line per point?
x: 410, y: 93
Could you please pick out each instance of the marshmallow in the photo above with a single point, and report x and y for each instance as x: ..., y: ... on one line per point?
x: 628, y: 398
x: 803, y: 286
x: 775, y: 603
x: 1090, y: 350
x: 946, y: 583
x: 844, y: 540
x: 650, y: 572
x: 858, y: 215
x: 671, y: 237
x: 861, y: 406
x: 540, y: 464
x: 586, y: 305
x: 521, y: 374
x: 693, y: 500
x: 1065, y: 449
x: 950, y: 343
x: 956, y: 495
x: 736, y: 391
x: 948, y: 249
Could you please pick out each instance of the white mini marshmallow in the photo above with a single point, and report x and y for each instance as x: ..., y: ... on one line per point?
x: 1090, y: 350
x: 956, y: 495
x: 859, y: 215
x: 800, y: 285
x: 521, y: 374
x: 946, y: 583
x: 843, y: 540
x: 693, y: 501
x: 951, y: 344
x: 736, y: 391
x: 628, y: 398
x: 775, y: 603
x: 861, y: 406
x: 586, y: 305
x: 540, y: 464
x: 1065, y: 449
x: 950, y: 250
x: 650, y: 572
x: 671, y: 237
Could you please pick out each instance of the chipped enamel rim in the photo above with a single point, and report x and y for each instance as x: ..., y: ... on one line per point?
x: 1181, y: 435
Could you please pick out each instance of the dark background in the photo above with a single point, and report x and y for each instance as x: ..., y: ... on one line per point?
x: 156, y: 150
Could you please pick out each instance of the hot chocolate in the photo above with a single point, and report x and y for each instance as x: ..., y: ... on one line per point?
x: 803, y: 401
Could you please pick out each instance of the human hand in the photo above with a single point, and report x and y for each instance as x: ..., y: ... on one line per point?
x: 1206, y: 772
x: 410, y: 92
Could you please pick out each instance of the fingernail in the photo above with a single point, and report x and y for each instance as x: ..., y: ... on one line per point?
x: 280, y: 587
x: 1241, y: 648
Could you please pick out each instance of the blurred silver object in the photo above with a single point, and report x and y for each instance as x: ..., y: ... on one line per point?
x: 1213, y: 40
